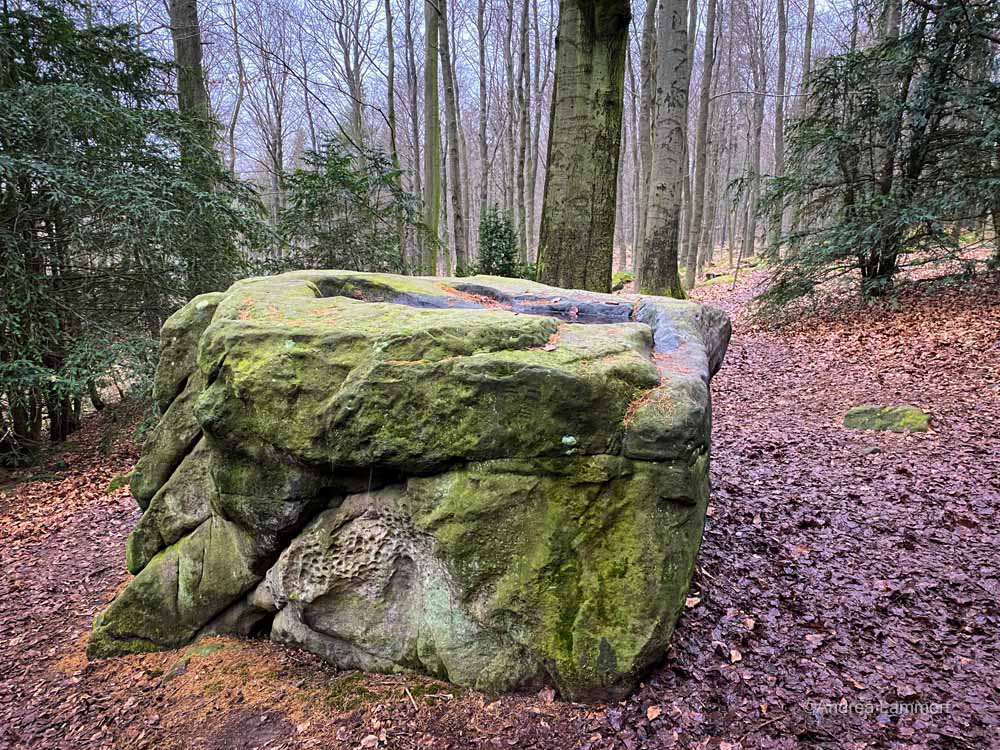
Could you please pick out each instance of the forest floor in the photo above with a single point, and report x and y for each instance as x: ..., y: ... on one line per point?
x: 847, y: 595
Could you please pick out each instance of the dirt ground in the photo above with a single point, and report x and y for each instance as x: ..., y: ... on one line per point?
x: 847, y: 596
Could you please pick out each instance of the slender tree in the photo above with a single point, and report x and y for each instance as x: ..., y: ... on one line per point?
x: 701, y: 145
x: 454, y: 145
x: 484, y: 109
x: 432, y: 139
x: 657, y: 272
x: 777, y: 219
x: 647, y: 81
x: 416, y: 259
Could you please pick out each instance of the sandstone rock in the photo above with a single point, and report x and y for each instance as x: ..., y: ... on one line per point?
x: 891, y: 418
x: 488, y: 480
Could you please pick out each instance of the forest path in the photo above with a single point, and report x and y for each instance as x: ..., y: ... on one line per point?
x: 839, y: 568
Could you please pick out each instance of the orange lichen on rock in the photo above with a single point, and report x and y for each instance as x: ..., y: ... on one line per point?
x: 326, y: 315
x: 245, y: 310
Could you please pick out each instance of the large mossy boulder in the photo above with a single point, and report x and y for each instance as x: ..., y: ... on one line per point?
x: 488, y: 480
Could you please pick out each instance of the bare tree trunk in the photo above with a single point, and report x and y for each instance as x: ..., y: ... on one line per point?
x: 523, y: 97
x: 416, y: 257
x: 777, y: 221
x: 447, y: 248
x: 636, y: 165
x: 758, y: 65
x: 466, y: 188
x: 484, y: 164
x: 657, y: 274
x: 451, y: 124
x: 701, y: 145
x: 390, y: 86
x: 432, y: 141
x: 647, y: 81
x: 307, y: 95
x: 241, y: 86
x: 800, y: 104
x: 685, y: 229
x: 509, y: 203
x: 192, y: 92
x: 706, y: 244
x: 535, y: 130
x: 578, y: 212
x: 855, y: 17
x: 619, y: 235
x: 390, y: 117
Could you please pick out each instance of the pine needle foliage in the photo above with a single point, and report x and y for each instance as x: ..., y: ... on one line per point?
x: 897, y: 143
x: 103, y: 230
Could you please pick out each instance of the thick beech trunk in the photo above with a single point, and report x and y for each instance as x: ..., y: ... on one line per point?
x: 578, y: 212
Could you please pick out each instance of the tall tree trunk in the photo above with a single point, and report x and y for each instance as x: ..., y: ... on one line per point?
x: 647, y: 82
x: 800, y: 105
x: 777, y: 220
x: 432, y: 141
x: 523, y: 97
x: 508, y: 50
x: 451, y: 124
x: 391, y: 86
x: 706, y: 244
x: 466, y: 188
x: 391, y: 118
x: 660, y: 248
x: 636, y: 163
x: 307, y: 99
x: 619, y: 236
x: 484, y: 163
x: 535, y: 130
x: 578, y: 212
x: 416, y: 256
x: 192, y: 91
x: 758, y: 65
x: 855, y: 19
x: 701, y: 145
x: 241, y: 86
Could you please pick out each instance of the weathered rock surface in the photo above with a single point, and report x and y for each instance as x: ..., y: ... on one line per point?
x: 902, y: 418
x: 488, y: 480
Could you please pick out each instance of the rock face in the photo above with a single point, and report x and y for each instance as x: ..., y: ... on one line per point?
x: 892, y: 418
x: 488, y: 480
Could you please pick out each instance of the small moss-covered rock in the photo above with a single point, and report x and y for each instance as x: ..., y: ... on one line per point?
x: 117, y: 483
x: 892, y: 418
x: 486, y: 480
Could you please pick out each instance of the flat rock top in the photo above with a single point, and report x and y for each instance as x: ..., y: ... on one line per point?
x: 356, y: 369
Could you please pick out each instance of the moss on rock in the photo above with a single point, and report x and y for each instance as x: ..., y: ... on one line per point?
x: 487, y: 480
x: 892, y: 418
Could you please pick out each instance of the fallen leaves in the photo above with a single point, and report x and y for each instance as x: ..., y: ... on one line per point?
x: 837, y: 568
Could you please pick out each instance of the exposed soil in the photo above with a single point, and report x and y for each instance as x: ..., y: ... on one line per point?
x: 848, y: 592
